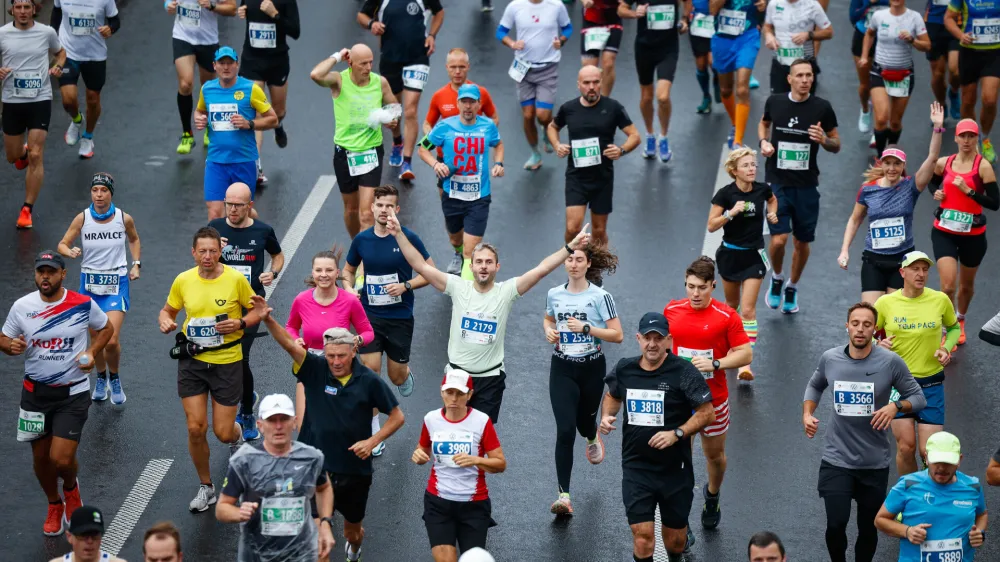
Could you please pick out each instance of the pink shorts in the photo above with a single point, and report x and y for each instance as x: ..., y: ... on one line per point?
x: 721, y: 424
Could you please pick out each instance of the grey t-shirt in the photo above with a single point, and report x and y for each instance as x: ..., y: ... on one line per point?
x: 860, y: 388
x: 890, y: 50
x: 27, y: 52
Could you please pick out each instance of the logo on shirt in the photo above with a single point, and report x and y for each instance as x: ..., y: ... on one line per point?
x: 395, y: 249
x: 238, y: 95
x: 331, y: 390
x: 929, y: 498
x: 534, y: 18
x: 963, y: 503
x: 220, y: 302
x: 581, y: 316
x: 793, y: 122
x: 286, y: 485
x: 870, y: 374
x: 412, y: 8
x: 253, y: 242
x: 750, y: 208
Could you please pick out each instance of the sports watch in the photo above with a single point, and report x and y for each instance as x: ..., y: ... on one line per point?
x: 679, y: 433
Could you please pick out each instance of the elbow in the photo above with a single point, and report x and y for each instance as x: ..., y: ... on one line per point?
x: 501, y: 467
x: 993, y: 474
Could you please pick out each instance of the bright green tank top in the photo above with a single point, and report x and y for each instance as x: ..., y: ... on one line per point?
x: 350, y: 112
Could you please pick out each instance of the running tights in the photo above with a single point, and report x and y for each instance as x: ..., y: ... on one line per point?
x: 838, y: 514
x: 576, y: 390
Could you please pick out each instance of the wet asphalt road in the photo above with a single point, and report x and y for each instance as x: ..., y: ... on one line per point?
x: 657, y: 229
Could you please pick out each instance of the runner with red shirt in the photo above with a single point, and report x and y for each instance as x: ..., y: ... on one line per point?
x: 710, y: 334
x: 464, y: 446
x: 602, y: 35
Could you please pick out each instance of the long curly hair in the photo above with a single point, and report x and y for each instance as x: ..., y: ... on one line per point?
x: 602, y: 261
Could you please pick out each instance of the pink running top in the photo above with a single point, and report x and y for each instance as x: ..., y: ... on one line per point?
x: 308, y: 319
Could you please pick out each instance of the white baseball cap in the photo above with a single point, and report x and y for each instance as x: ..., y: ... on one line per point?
x: 457, y: 379
x: 276, y: 404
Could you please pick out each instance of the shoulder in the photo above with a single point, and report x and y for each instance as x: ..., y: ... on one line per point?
x: 556, y: 291
x: 406, y: 232
x: 303, y: 296
x: 432, y: 416
x: 723, y: 310
x: 626, y: 364
x: 675, y: 306
x: 479, y: 419
x: 968, y: 481
x: 219, y: 224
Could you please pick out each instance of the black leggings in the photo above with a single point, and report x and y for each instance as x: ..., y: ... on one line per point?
x: 838, y: 514
x: 247, y: 342
x: 575, y: 389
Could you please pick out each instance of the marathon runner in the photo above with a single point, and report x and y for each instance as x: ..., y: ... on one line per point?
x: 266, y: 61
x: 666, y: 402
x: 973, y: 23
x: 464, y: 446
x: 444, y: 104
x: 404, y: 61
x: 710, y: 335
x: 579, y: 317
x: 959, y: 233
x: 656, y: 49
x: 246, y: 242
x: 899, y: 31
x: 196, y: 40
x: 84, y: 533
x: 480, y: 310
x: 273, y: 520
x: 210, y: 359
x: 802, y: 123
x: 543, y: 27
x: 734, y: 51
x: 952, y: 526
x: 792, y: 29
x: 855, y: 463
x: 702, y: 25
x: 464, y: 170
x: 913, y: 318
x: 766, y: 546
x: 83, y: 28
x: 601, y: 36
x: 162, y: 543
x: 888, y: 198
x: 51, y: 328
x: 943, y: 59
x: 232, y: 155
x: 861, y: 12
x: 105, y: 277
x: 27, y: 49
x: 739, y: 210
x: 358, y: 99
x: 341, y: 392
x: 591, y: 121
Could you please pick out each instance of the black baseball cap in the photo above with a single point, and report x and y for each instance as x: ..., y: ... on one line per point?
x: 86, y: 520
x: 654, y: 322
x: 50, y: 259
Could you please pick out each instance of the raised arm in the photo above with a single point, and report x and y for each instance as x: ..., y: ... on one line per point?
x: 437, y: 278
x: 324, y: 75
x: 532, y: 277
x: 278, y: 332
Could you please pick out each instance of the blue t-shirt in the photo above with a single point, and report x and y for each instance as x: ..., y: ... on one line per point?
x: 861, y: 10
x: 890, y: 215
x: 384, y: 264
x: 700, y: 6
x: 594, y: 306
x: 935, y: 11
x: 737, y: 17
x: 951, y: 510
x: 228, y: 145
x: 467, y: 155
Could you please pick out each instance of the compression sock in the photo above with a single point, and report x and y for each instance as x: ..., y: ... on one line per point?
x: 959, y: 316
x: 104, y: 375
x: 750, y: 327
x: 114, y: 376
x: 467, y: 269
x: 397, y: 140
x: 408, y: 159
x: 881, y: 139
x: 894, y: 136
x: 675, y: 557
x: 716, y: 89
x: 730, y: 104
x: 78, y: 118
x: 703, y: 81
x: 459, y: 248
x: 185, y: 105
x: 87, y: 135
x: 742, y: 116
x: 375, y: 424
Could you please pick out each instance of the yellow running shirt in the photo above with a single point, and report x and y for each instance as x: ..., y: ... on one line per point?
x: 916, y: 325
x: 203, y: 300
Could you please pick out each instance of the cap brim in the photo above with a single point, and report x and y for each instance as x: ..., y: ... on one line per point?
x: 657, y: 330
x: 468, y: 98
x: 48, y: 263
x: 87, y: 528
x: 289, y: 413
x: 928, y: 261
x: 941, y: 457
x: 462, y: 389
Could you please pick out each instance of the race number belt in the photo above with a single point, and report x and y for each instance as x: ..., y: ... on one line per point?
x: 853, y: 398
x: 644, y: 407
x: 586, y: 152
x: 360, y: 163
x: 263, y: 35
x: 887, y: 233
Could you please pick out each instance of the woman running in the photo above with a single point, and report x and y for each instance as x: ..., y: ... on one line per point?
x: 739, y: 210
x: 861, y: 11
x: 959, y: 234
x: 888, y: 197
x: 579, y: 315
x: 104, y: 273
x: 899, y: 30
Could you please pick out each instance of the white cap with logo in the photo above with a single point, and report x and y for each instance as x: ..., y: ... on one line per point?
x: 276, y: 404
x: 457, y: 379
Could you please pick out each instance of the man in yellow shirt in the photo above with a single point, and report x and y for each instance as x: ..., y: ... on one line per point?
x: 213, y: 296
x: 912, y: 319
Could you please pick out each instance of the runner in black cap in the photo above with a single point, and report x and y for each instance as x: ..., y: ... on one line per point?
x: 86, y: 529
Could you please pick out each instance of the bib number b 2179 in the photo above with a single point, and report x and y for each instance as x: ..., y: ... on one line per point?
x: 479, y: 328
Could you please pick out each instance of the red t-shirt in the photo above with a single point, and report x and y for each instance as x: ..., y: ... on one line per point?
x: 444, y: 104
x: 716, y: 328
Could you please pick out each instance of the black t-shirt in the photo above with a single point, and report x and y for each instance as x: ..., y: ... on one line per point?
x: 341, y: 415
x: 405, y: 28
x: 746, y: 230
x: 245, y: 249
x: 266, y: 36
x: 659, y: 26
x: 683, y: 389
x: 794, y: 161
x: 591, y: 130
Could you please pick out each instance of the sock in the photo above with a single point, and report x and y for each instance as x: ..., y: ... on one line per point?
x: 375, y: 424
x: 675, y: 556
x: 24, y: 157
x: 750, y: 327
x: 881, y: 139
x: 710, y: 494
x: 209, y: 485
x: 30, y: 206
x: 87, y: 135
x: 894, y: 136
x: 960, y: 316
x: 57, y: 502
x: 102, y: 375
x: 637, y: 559
x: 459, y: 248
x: 114, y: 376
x: 78, y: 118
x: 742, y: 116
x: 408, y: 159
x: 351, y: 553
x: 791, y: 285
x: 185, y: 105
x: 467, y: 269
x: 730, y: 104
x: 564, y: 495
x: 775, y: 276
x: 590, y: 442
x: 397, y: 140
x: 703, y: 81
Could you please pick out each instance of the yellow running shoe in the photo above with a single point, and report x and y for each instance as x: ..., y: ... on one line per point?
x: 988, y: 152
x: 187, y: 143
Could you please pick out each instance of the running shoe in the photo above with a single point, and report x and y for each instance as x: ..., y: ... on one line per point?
x: 711, y: 514
x: 664, y: 150
x: 487, y: 5
x: 650, y: 151
x: 249, y: 425
x: 562, y: 506
x: 872, y: 143
x: 731, y: 139
x: 235, y: 445
x: 955, y: 104
x: 745, y: 374
x: 988, y: 152
x: 72, y: 501
x: 961, y: 337
x: 86, y: 148
x: 865, y: 122
x: 455, y: 266
x: 205, y: 497
x: 690, y: 542
x: 377, y: 451
x: 705, y: 107
x: 205, y: 139
x: 54, y: 520
x: 595, y: 450
x: 754, y: 83
x: 791, y: 304
x: 24, y: 219
x: 187, y: 143
x: 396, y: 156
x: 22, y: 162
x: 773, y: 298
x: 72, y: 135
x: 280, y: 136
x: 547, y: 146
x: 534, y: 162
x: 256, y: 400
x: 100, y: 393
x: 406, y: 388
x: 347, y: 550
x: 117, y: 394
x: 406, y: 174
x: 261, y: 178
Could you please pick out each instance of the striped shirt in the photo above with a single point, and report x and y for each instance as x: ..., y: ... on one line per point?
x: 791, y: 17
x: 890, y: 50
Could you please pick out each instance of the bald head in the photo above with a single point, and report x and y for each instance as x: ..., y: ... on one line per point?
x: 238, y: 193
x: 361, y: 63
x: 589, y: 72
x: 589, y: 82
x: 238, y: 204
x: 361, y: 53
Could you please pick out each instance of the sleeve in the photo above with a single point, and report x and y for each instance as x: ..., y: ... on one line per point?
x: 11, y: 327
x: 510, y: 293
x: 862, y: 197
x: 908, y: 388
x: 294, y: 323
x: 360, y: 321
x: 919, y: 27
x: 817, y: 383
x: 766, y: 191
x: 322, y: 478
x: 948, y: 317
x: 623, y: 119
x: 981, y: 504
x: 353, y: 256
x: 695, y: 388
x: 819, y: 17
x: 245, y: 291
x: 233, y: 484
x: 111, y: 9
x: 488, y: 108
x: 560, y: 119
x: 98, y: 319
x: 735, y: 332
x: 433, y: 5
x: 54, y: 45
x: 55, y: 20
x: 873, y: 23
x: 382, y: 397
x: 425, y: 436
x: 494, y: 135
x: 829, y: 119
x: 433, y: 113
x: 201, y: 99
x: 437, y: 135
x: 721, y: 198
x: 490, y: 441
x: 453, y: 287
x: 507, y: 20
x: 289, y: 18
x: 549, y: 311
x: 895, y: 501
x: 880, y: 322
x: 955, y: 5
x: 606, y: 305
x: 114, y: 23
x: 370, y: 7
x: 418, y: 244
x: 258, y: 100
x: 271, y: 244
x: 767, y: 110
x: 611, y: 380
x: 769, y: 14
x: 996, y: 455
x: 990, y: 332
x: 564, y: 21
x: 174, y: 298
x: 857, y: 10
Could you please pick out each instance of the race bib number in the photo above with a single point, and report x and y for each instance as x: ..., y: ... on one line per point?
x: 415, y: 76
x: 263, y: 35
x: 853, y: 398
x: 940, y: 2
x: 644, y: 407
x: 793, y: 155
x: 788, y: 55
x: 894, y: 395
x: 244, y: 271
x: 660, y: 17
x: 986, y: 31
x: 689, y: 354
x: 575, y: 344
x: 763, y: 258
x: 202, y: 332
x: 27, y: 83
x: 282, y: 517
x: 479, y: 328
x: 943, y: 550
x: 30, y: 426
x: 956, y: 221
x: 189, y: 15
x: 360, y: 163
x: 586, y: 152
x: 219, y: 115
x: 887, y: 233
x: 82, y: 23
x: 377, y: 288
x: 595, y: 38
x: 732, y: 22
x: 465, y: 188
x: 899, y: 89
x: 101, y: 283
x: 446, y: 444
x: 703, y: 25
x: 518, y: 68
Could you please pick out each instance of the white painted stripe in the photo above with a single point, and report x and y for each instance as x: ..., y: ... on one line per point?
x: 659, y: 552
x: 714, y: 239
x: 135, y: 504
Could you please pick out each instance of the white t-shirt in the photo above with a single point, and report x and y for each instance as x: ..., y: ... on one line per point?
x: 27, y: 51
x: 789, y: 18
x: 56, y: 333
x: 891, y: 51
x: 478, y: 324
x: 196, y: 25
x: 537, y: 24
x: 78, y: 30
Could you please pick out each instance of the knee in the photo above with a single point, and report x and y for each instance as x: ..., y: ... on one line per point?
x: 989, y: 98
x: 716, y: 458
x: 743, y: 91
x: 354, y: 533
x: 643, y: 542
x: 574, y: 224
x: 906, y: 448
x: 410, y: 111
x: 367, y: 216
x: 600, y: 233
x: 113, y: 347
x: 896, y: 124
x: 663, y: 97
x: 968, y: 286
x: 197, y: 431
x: 225, y: 434
x: 528, y: 113
x: 778, y: 241
x: 93, y: 98
x: 351, y: 207
x: 62, y: 463
x: 185, y: 86
x: 35, y: 154
x: 801, y: 246
x: 675, y: 542
x: 948, y: 286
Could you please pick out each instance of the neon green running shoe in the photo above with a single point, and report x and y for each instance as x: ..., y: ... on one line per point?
x: 988, y: 152
x: 187, y: 143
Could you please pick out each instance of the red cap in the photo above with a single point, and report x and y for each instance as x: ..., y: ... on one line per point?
x: 967, y: 126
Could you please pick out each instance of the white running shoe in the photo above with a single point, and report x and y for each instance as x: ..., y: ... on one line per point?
x: 865, y: 121
x: 86, y: 148
x: 205, y: 498
x: 72, y: 135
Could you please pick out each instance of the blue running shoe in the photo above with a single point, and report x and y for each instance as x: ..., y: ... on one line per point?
x: 534, y: 162
x: 256, y: 401
x: 705, y: 107
x: 791, y: 304
x: 754, y: 84
x: 406, y: 388
x: 396, y: 157
x: 100, y: 389
x: 650, y: 151
x: 664, y: 149
x: 249, y: 424
x: 377, y: 451
x: 731, y: 139
x: 690, y: 542
x: 117, y: 394
x: 774, y: 295
x: 955, y: 103
x: 406, y: 174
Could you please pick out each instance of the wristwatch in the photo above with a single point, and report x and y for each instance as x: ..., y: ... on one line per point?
x: 586, y: 328
x: 715, y: 364
x: 407, y: 285
x: 726, y: 215
x: 273, y: 272
x: 253, y: 126
x: 898, y: 404
x: 327, y: 520
x: 679, y: 433
x: 243, y: 324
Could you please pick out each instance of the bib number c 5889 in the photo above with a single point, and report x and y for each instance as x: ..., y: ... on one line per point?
x: 644, y: 407
x: 479, y: 328
x: 263, y: 35
x: 586, y: 152
x: 887, y: 233
x: 446, y: 444
x: 943, y: 550
x: 660, y: 17
x: 282, y: 516
x: 360, y: 163
x: 375, y: 286
x: 793, y: 155
x: 956, y: 221
x: 30, y: 426
x: 465, y: 188
x: 854, y: 398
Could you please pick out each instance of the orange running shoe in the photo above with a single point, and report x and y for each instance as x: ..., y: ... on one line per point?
x: 562, y: 506
x: 961, y: 338
x: 54, y: 520
x: 72, y: 499
x: 24, y: 219
x: 745, y: 374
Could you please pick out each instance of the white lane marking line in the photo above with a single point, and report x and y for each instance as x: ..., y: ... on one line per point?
x: 159, y: 157
x: 722, y: 179
x: 659, y: 552
x: 135, y: 504
x: 154, y: 163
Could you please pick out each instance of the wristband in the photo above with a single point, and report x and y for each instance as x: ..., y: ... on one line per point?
x: 570, y: 250
x: 939, y: 129
x: 371, y: 22
x: 498, y: 164
x: 243, y: 324
x: 336, y: 56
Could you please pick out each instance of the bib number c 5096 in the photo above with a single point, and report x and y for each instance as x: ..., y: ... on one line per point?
x: 27, y: 83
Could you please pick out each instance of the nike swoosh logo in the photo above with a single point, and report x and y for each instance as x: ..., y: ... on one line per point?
x: 300, y: 467
x: 870, y: 374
